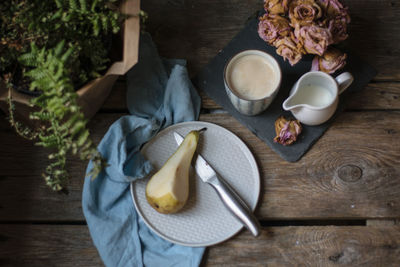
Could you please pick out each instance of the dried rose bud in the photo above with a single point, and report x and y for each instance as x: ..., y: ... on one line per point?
x: 286, y: 131
x: 276, y: 7
x: 289, y: 48
x: 331, y: 61
x: 304, y: 12
x: 315, y: 39
x: 273, y: 26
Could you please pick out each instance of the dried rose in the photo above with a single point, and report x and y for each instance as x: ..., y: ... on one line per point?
x: 315, y: 39
x: 286, y: 131
x: 338, y: 28
x: 334, y: 8
x: 289, y: 49
x: 304, y: 12
x: 275, y: 7
x: 331, y: 61
x: 273, y: 26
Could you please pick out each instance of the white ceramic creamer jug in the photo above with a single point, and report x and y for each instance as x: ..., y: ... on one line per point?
x: 315, y: 96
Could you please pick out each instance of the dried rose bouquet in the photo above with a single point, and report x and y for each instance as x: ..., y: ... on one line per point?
x: 299, y: 27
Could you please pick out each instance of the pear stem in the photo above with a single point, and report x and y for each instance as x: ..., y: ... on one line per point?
x: 202, y: 129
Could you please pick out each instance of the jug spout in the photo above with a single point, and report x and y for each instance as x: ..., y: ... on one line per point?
x: 290, y: 103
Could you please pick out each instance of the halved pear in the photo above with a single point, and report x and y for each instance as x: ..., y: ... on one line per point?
x: 167, y: 190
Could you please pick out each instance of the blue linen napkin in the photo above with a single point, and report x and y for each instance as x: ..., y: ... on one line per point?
x: 159, y: 94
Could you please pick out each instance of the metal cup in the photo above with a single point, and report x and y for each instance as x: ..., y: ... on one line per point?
x: 251, y: 107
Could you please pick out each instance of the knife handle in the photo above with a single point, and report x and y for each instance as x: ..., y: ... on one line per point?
x: 236, y: 205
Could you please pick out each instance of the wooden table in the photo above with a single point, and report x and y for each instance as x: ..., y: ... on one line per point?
x: 338, y: 205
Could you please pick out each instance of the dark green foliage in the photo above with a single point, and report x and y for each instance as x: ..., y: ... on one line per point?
x: 47, y: 22
x: 56, y: 45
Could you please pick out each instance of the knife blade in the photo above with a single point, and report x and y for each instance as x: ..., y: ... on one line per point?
x: 229, y: 197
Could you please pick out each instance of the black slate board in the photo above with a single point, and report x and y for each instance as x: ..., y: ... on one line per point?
x: 210, y: 80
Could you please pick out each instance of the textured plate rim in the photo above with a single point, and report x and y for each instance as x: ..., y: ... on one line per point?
x: 256, y: 186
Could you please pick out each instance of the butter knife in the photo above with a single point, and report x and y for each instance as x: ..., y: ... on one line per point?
x: 227, y: 194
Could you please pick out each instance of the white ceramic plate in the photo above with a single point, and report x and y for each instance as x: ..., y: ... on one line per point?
x: 204, y: 220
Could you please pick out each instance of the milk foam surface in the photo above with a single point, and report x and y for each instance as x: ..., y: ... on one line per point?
x: 252, y: 77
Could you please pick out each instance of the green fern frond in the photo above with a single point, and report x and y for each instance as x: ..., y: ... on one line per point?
x: 96, y: 26
x: 59, y: 48
x: 56, y: 46
x: 73, y: 4
x: 104, y: 23
x: 19, y: 128
x: 28, y: 59
x: 93, y: 6
x: 83, y: 137
x: 40, y: 116
x: 59, y: 3
x: 47, y: 141
x: 67, y: 125
x: 83, y: 5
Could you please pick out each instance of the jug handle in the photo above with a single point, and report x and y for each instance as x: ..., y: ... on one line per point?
x: 344, y: 80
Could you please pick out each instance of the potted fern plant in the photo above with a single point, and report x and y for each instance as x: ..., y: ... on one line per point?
x: 48, y: 49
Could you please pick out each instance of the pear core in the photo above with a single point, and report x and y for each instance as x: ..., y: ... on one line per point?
x: 168, y: 189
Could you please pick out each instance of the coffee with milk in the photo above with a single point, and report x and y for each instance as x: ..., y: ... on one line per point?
x: 252, y: 77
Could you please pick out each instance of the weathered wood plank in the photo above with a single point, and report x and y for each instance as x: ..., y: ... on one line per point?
x: 349, y: 171
x: 375, y: 96
x: 382, y: 223
x: 311, y: 246
x: 47, y: 245
x: 197, y: 30
x: 352, y: 172
x: 66, y: 245
x: 23, y: 193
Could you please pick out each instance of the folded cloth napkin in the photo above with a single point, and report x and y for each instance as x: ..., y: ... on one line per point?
x: 159, y: 94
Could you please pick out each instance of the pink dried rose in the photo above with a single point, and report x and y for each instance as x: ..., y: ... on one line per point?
x: 297, y: 27
x: 315, y: 39
x: 304, y: 12
x: 338, y: 29
x: 334, y: 8
x: 286, y: 131
x: 330, y: 61
x: 271, y: 27
x: 289, y: 49
x: 276, y: 7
